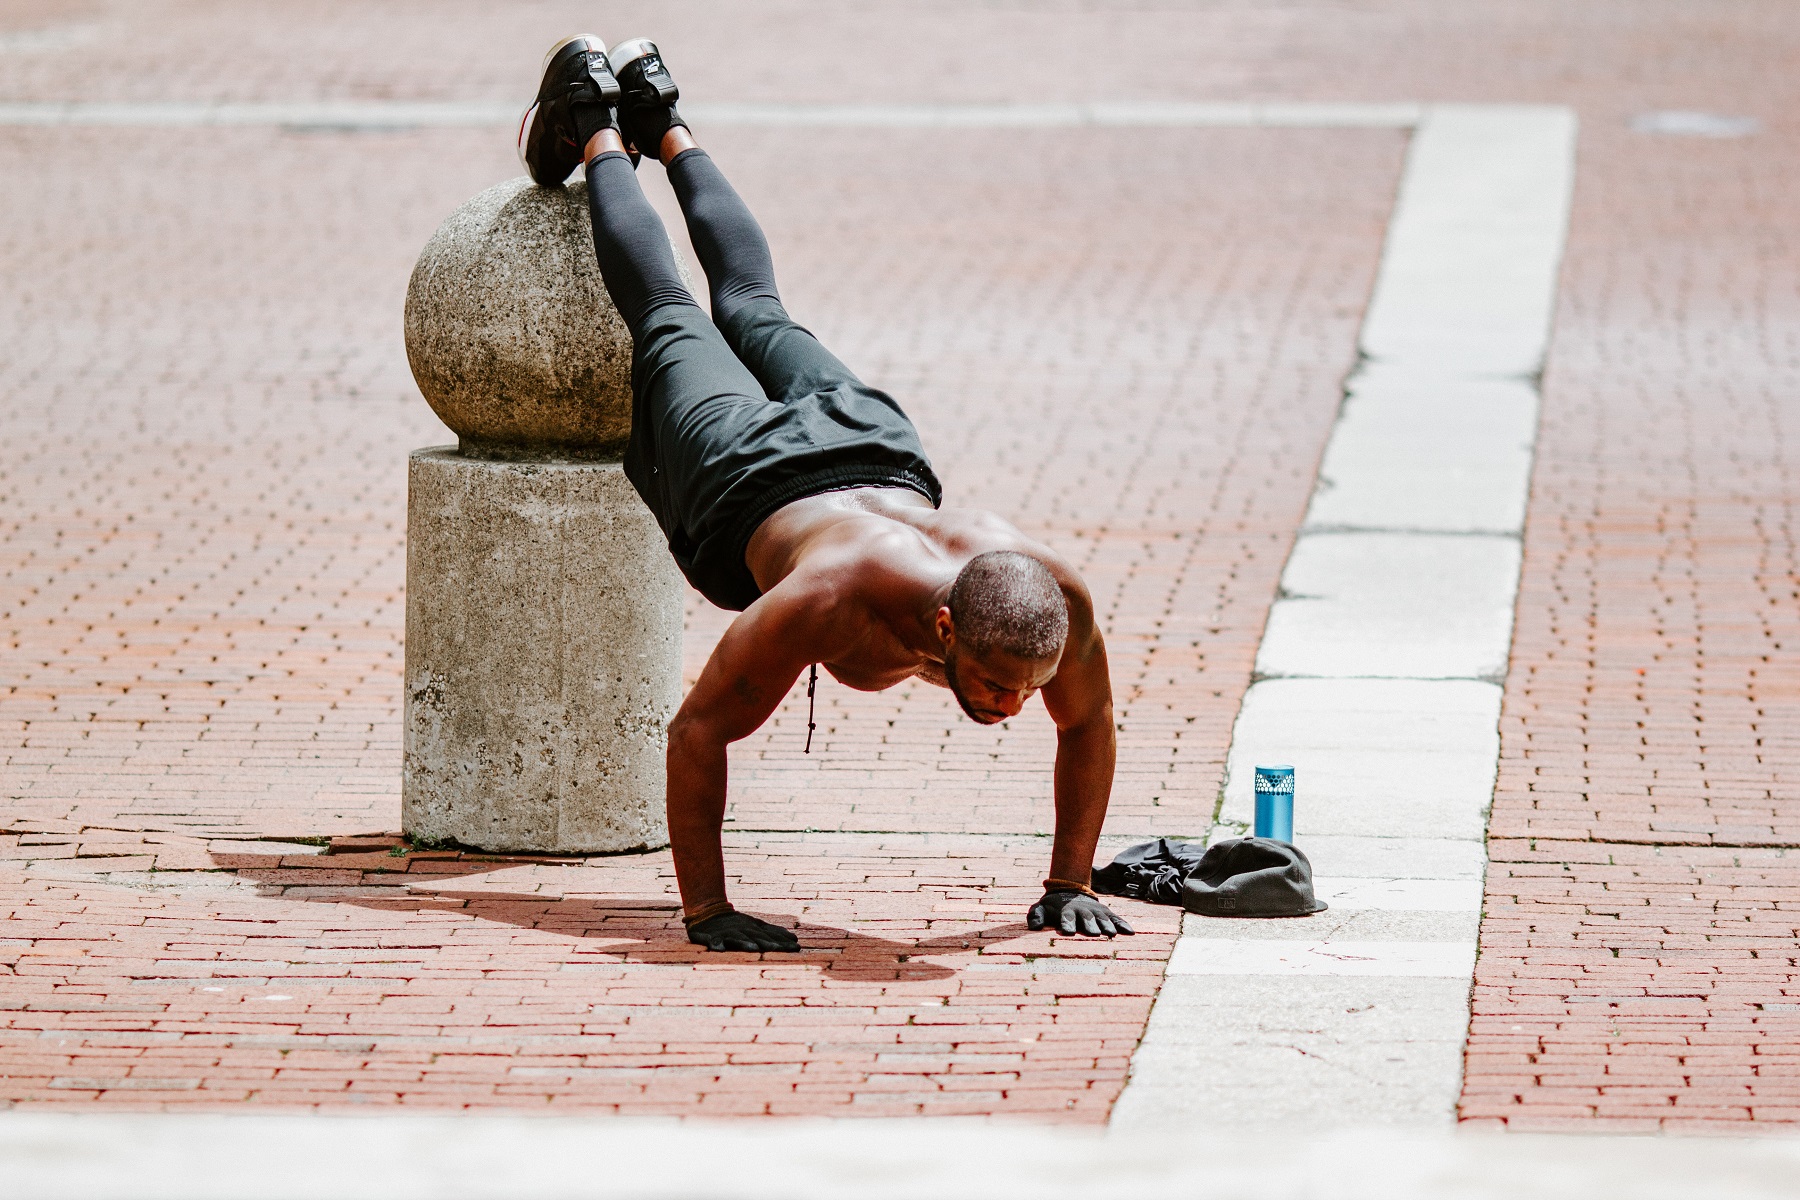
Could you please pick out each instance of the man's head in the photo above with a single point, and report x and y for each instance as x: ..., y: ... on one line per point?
x: 1003, y: 629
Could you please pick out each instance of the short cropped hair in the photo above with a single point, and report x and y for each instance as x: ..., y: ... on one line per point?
x: 1007, y: 601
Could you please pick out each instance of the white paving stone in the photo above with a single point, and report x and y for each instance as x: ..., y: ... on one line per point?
x: 1428, y: 454
x: 1393, y: 606
x: 1468, y: 274
x: 1378, y: 670
x: 1402, y: 895
x: 1381, y: 1008
x: 1351, y: 856
x: 1371, y: 757
x: 1341, y: 925
x: 1271, y: 1079
x: 1234, y: 956
x: 1309, y: 1051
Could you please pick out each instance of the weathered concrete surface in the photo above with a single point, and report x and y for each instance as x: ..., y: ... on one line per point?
x: 543, y: 656
x: 1208, y: 1155
x: 509, y: 330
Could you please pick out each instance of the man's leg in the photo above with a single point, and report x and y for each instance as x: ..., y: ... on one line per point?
x: 629, y: 239
x: 786, y: 358
x: 688, y: 387
x: 733, y: 251
x: 685, y: 379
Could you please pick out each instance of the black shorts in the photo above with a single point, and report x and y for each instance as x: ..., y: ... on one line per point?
x: 731, y: 423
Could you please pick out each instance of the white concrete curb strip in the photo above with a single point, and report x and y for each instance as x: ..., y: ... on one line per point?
x: 1380, y: 668
x: 1401, y: 895
x: 405, y: 114
x: 117, y: 1157
x: 1196, y: 955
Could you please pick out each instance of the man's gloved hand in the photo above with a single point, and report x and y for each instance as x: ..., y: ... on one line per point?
x: 733, y: 930
x: 1075, y: 912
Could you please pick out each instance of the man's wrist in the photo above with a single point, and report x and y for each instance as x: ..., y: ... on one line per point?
x: 705, y: 912
x: 1067, y: 885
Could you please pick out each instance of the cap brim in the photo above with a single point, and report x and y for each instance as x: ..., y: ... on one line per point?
x: 1318, y: 906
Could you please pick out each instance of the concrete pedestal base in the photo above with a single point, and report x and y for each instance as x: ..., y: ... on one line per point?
x: 543, y: 656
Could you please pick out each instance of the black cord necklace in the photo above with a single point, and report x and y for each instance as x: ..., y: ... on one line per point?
x: 812, y: 685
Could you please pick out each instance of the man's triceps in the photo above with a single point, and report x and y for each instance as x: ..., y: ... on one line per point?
x: 747, y: 675
x: 1081, y: 692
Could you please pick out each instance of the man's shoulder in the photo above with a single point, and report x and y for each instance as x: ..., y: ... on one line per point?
x: 974, y: 531
x: 877, y: 554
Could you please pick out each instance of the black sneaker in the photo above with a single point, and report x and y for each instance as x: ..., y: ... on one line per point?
x: 647, y: 94
x: 574, y: 102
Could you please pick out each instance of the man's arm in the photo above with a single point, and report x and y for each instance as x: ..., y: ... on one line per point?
x: 751, y: 669
x: 1079, y: 700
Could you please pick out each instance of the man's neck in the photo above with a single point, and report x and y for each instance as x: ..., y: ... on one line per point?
x: 935, y: 600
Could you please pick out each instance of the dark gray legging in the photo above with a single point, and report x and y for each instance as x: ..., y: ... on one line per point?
x: 736, y: 415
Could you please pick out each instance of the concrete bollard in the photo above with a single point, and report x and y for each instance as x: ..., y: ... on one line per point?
x: 543, y: 612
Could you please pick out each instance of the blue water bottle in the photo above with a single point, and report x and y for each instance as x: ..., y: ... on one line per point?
x: 1275, y: 803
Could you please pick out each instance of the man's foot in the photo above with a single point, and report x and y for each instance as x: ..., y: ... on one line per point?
x: 574, y: 102
x: 647, y: 95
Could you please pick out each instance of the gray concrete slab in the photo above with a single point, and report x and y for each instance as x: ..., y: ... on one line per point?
x: 1276, y: 956
x: 1371, y: 757
x: 1401, y: 895
x: 1342, y: 1081
x: 1468, y: 273
x: 1428, y: 454
x: 1352, y: 857
x: 1393, y: 606
x: 1382, y: 1009
x: 1314, y: 1051
x: 1357, y: 924
x: 1215, y: 1137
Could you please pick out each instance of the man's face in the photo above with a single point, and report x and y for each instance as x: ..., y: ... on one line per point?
x: 996, y: 685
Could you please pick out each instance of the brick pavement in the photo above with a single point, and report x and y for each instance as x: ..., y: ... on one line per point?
x: 1640, y: 964
x: 366, y: 975
x: 1131, y: 343
x: 1637, y: 965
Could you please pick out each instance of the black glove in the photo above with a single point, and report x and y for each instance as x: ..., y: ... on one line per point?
x: 1075, y: 912
x: 733, y: 930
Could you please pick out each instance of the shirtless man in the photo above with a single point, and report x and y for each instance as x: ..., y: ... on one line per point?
x: 796, y: 494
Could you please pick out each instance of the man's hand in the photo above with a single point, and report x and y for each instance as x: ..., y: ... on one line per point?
x: 1076, y: 912
x: 741, y: 931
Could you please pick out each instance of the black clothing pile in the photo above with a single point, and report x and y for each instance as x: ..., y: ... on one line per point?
x: 1243, y: 877
x: 1152, y: 871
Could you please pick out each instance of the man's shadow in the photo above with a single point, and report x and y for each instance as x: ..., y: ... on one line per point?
x: 641, y: 929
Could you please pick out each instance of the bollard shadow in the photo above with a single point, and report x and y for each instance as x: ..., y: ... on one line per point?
x: 640, y: 929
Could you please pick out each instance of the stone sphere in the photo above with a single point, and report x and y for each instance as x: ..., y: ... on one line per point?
x: 510, y: 333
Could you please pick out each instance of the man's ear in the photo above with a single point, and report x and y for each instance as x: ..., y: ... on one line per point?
x: 945, y: 626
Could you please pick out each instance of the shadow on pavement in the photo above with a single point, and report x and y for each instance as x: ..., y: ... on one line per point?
x: 383, y: 873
